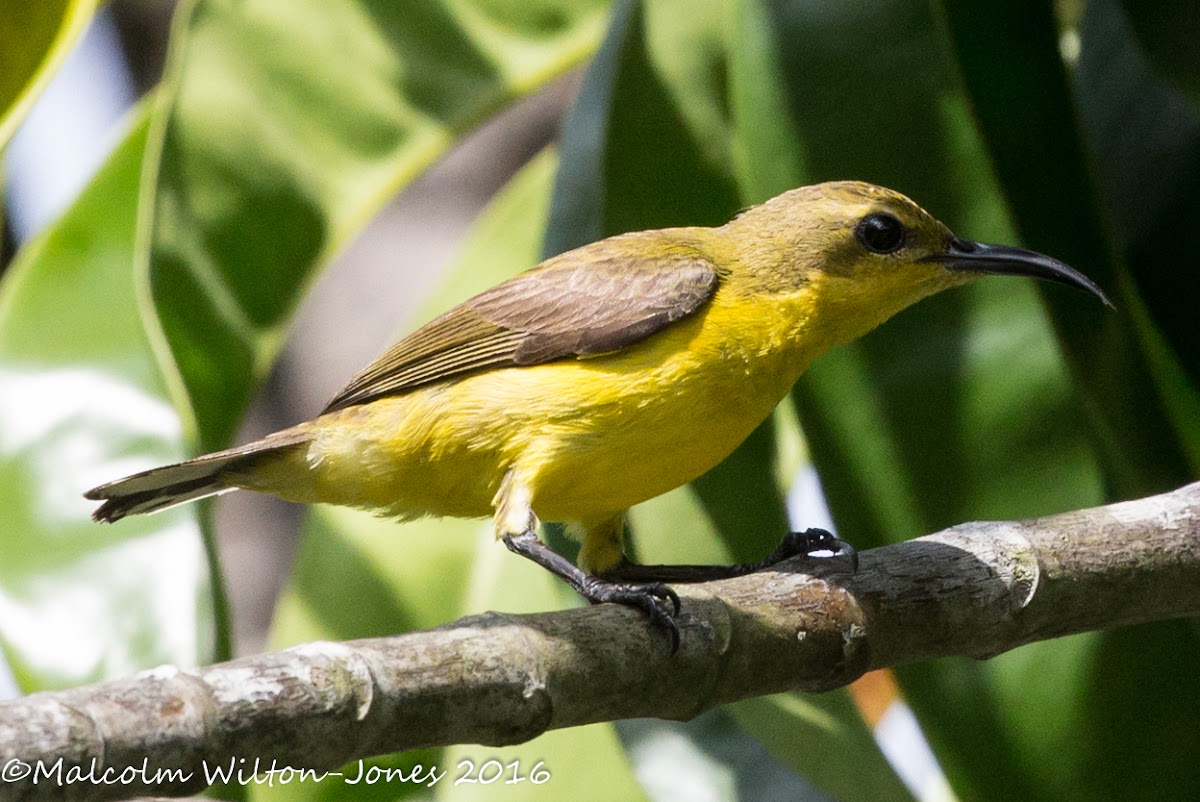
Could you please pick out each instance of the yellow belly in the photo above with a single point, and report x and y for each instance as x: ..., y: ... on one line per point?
x: 589, y: 438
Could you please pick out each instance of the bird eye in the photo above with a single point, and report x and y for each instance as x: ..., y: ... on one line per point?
x: 880, y: 233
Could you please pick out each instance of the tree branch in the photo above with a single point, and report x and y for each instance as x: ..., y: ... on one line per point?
x: 978, y: 589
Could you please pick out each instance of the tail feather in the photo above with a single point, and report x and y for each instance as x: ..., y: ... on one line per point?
x: 143, y: 501
x: 170, y: 485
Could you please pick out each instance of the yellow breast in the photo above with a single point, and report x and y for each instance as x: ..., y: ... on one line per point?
x: 589, y: 437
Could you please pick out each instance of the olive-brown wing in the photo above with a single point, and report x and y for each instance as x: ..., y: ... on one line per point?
x: 578, y: 305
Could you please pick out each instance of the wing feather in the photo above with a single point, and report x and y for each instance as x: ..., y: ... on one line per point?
x: 591, y: 301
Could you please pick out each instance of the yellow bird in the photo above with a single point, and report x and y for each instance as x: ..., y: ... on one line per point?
x: 604, y: 377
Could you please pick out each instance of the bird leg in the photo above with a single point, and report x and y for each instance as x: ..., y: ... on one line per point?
x: 651, y: 598
x: 517, y: 526
x: 794, y: 544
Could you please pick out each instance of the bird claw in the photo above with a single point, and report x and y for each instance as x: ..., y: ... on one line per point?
x: 808, y: 543
x: 651, y: 598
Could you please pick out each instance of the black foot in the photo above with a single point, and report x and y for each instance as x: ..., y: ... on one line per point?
x: 651, y: 597
x: 807, y: 544
x: 794, y: 544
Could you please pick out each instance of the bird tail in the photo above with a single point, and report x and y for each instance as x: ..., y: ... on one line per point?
x: 170, y: 485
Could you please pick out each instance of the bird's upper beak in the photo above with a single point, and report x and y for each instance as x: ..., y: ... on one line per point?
x: 1007, y: 260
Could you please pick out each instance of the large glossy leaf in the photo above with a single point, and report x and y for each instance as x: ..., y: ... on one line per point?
x: 1167, y: 32
x: 279, y: 129
x: 767, y: 149
x: 81, y: 402
x: 292, y: 121
x: 35, y: 39
x: 1030, y: 127
x: 1145, y: 144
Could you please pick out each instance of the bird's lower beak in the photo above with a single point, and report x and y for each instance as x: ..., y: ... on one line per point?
x: 1005, y: 260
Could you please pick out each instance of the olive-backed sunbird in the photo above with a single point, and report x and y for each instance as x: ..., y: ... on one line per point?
x: 604, y: 377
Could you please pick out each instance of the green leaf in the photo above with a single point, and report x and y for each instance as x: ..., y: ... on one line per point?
x: 713, y: 757
x: 654, y: 78
x: 291, y: 122
x: 1030, y: 127
x: 1167, y: 33
x: 35, y: 39
x: 1145, y: 142
x: 823, y: 737
x: 767, y: 149
x: 80, y: 403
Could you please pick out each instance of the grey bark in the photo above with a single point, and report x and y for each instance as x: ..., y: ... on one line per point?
x: 978, y: 589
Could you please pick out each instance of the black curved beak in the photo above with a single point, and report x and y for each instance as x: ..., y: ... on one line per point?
x: 1006, y: 260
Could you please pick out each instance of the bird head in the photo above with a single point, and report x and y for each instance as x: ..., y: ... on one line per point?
x: 870, y: 252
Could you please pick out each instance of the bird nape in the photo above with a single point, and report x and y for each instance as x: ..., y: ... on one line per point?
x: 604, y: 377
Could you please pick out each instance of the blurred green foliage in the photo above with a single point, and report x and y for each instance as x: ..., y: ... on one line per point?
x: 35, y: 39
x: 281, y: 127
